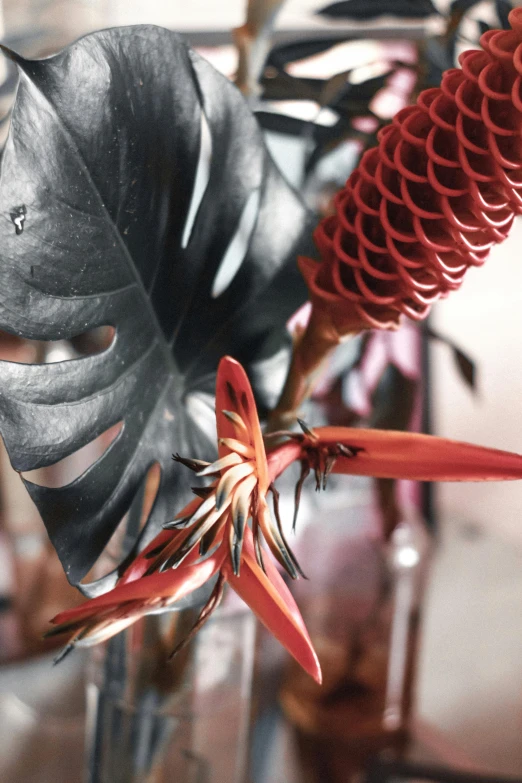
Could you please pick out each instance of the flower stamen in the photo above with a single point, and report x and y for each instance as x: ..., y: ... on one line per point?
x: 237, y: 421
x: 220, y: 464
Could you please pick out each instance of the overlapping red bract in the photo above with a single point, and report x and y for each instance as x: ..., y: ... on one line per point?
x: 439, y: 191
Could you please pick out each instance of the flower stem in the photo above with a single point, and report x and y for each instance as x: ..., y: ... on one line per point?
x: 311, y: 347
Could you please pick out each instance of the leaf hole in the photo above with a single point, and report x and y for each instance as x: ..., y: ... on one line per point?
x: 22, y: 351
x: 201, y: 180
x: 201, y: 409
x: 111, y: 563
x: 16, y: 349
x: 94, y: 340
x: 88, y: 343
x: 237, y: 249
x: 70, y: 468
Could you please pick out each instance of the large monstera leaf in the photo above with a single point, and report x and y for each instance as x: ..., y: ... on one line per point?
x: 111, y: 142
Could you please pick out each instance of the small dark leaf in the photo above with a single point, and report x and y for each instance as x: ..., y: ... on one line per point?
x: 108, y: 140
x: 439, y: 58
x: 462, y: 6
x: 465, y: 365
x: 466, y: 368
x: 371, y: 9
x: 352, y: 103
x: 333, y: 88
x: 393, y: 400
x: 503, y: 8
x: 281, y: 123
x: 300, y: 50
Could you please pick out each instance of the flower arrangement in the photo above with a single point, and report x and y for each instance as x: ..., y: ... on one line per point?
x: 106, y: 227
x: 210, y: 535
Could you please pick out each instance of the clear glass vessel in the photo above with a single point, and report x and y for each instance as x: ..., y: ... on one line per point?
x: 151, y: 720
x: 362, y: 607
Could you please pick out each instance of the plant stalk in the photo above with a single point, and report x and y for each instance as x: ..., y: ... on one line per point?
x: 312, y: 346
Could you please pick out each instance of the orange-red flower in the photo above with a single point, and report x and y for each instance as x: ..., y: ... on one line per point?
x: 176, y: 562
x: 211, y: 535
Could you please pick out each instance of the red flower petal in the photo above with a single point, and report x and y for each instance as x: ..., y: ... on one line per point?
x: 406, y: 455
x: 174, y: 583
x: 142, y: 562
x: 231, y: 376
x: 271, y: 601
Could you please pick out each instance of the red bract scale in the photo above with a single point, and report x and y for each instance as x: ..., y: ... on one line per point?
x: 430, y: 201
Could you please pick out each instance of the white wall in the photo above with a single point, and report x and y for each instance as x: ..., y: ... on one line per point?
x: 485, y: 318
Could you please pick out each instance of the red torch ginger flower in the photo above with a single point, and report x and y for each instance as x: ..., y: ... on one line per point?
x: 441, y: 188
x: 211, y: 535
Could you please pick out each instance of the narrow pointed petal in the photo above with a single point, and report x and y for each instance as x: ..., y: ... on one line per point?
x: 192, y: 464
x: 406, y: 455
x: 275, y: 541
x: 189, y: 509
x: 207, y: 611
x: 173, y: 584
x: 141, y: 564
x: 281, y: 532
x: 235, y: 545
x: 106, y: 631
x: 305, y: 470
x: 241, y: 501
x: 204, y: 507
x: 220, y: 464
x: 272, y: 603
x: 195, y: 535
x: 233, y: 392
x: 212, y: 537
x: 229, y: 480
x: 240, y: 511
x: 238, y: 446
x: 240, y: 428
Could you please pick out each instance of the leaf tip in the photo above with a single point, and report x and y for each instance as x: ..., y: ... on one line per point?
x: 13, y: 56
x: 317, y: 674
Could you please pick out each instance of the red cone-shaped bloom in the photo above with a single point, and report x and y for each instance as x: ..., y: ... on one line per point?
x: 441, y: 188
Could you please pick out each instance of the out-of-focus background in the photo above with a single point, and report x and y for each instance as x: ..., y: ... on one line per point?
x: 469, y: 696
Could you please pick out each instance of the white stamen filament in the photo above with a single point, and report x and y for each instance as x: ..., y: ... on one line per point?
x: 232, y: 477
x: 221, y: 464
x: 238, y: 422
x: 242, y: 497
x: 239, y: 446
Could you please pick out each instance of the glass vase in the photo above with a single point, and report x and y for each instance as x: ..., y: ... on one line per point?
x: 362, y: 607
x: 153, y: 720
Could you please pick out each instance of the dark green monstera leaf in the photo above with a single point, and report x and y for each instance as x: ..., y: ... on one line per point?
x: 133, y: 175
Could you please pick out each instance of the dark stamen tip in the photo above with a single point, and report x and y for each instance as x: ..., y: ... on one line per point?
x: 193, y: 464
x: 202, y: 492
x: 155, y: 551
x: 239, y: 523
x: 349, y: 451
x: 63, y: 653
x: 289, y: 565
x: 306, y: 429
x: 174, y: 524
